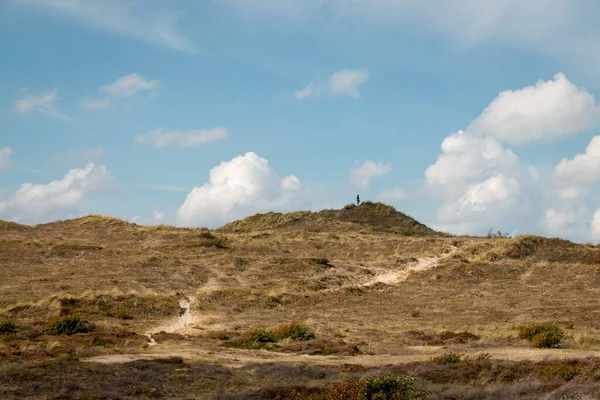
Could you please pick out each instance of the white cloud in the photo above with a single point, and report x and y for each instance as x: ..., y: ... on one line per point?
x: 78, y: 156
x: 128, y: 85
x: 360, y: 176
x: 122, y: 17
x: 483, y: 184
x: 546, y: 111
x: 124, y: 87
x: 583, y: 168
x: 342, y: 83
x: 136, y: 219
x: 44, y: 103
x: 571, y: 195
x: 596, y: 225
x: 243, y: 186
x: 392, y: 196
x: 5, y: 155
x: 160, y: 138
x: 556, y: 223
x: 467, y: 159
x: 157, y: 215
x: 346, y: 82
x: 33, y: 203
x: 311, y: 91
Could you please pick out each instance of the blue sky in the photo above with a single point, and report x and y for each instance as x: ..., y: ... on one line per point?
x: 466, y: 116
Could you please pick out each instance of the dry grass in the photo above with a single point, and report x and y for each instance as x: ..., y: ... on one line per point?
x: 268, y: 270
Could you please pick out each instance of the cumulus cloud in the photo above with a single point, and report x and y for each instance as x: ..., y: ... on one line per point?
x: 161, y: 138
x: 33, y: 203
x: 243, y: 186
x: 360, y: 176
x: 546, y: 111
x: 483, y: 184
x: 124, y: 87
x: 342, y: 83
x: 392, y: 196
x: 5, y: 155
x: 583, y: 168
x: 43, y: 103
x: 467, y: 159
x: 571, y: 195
x: 121, y: 17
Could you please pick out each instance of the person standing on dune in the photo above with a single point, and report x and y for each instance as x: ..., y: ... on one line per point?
x: 357, y: 200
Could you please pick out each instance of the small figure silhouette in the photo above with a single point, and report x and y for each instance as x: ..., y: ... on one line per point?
x: 357, y: 200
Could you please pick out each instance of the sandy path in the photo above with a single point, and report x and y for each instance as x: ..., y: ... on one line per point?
x: 390, y: 277
x: 235, y: 358
x: 184, y: 323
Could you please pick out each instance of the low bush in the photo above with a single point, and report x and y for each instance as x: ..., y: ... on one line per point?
x: 542, y: 335
x: 293, y: 331
x: 7, y: 326
x: 565, y: 371
x: 261, y: 336
x: 68, y: 325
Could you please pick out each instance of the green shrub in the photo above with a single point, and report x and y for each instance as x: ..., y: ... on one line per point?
x: 7, y: 326
x: 261, y: 336
x: 294, y: 331
x: 564, y: 371
x: 320, y: 261
x: 67, y: 325
x: 543, y: 335
x: 450, y: 358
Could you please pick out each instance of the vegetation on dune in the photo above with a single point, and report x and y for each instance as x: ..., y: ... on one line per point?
x: 376, y: 216
x: 542, y: 335
x: 261, y: 338
x: 7, y: 326
x: 294, y: 331
x: 125, y: 278
x: 67, y: 325
x: 381, y: 387
x: 445, y: 359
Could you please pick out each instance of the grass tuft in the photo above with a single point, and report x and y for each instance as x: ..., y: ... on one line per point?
x: 67, y: 325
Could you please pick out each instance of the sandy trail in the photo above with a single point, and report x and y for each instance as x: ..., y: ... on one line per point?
x: 235, y: 358
x: 390, y: 277
x: 183, y: 324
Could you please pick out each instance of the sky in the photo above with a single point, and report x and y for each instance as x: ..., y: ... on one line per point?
x: 468, y: 116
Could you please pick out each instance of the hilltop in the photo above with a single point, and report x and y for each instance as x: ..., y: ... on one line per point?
x: 185, y: 313
x: 367, y: 215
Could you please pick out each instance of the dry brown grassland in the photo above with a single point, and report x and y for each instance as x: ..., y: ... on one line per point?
x: 179, y: 313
